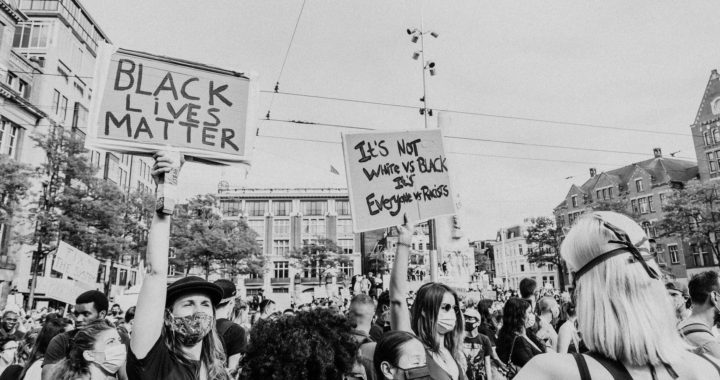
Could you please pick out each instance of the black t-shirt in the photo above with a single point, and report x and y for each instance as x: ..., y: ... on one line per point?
x: 12, y: 372
x: 159, y: 364
x: 232, y: 337
x: 477, y: 345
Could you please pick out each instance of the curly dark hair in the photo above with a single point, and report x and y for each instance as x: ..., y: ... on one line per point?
x: 514, y: 316
x: 313, y: 344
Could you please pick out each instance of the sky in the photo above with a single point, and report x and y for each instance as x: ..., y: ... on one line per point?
x: 640, y: 65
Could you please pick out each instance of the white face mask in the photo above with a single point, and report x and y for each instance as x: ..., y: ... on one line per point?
x: 115, y: 357
x: 446, y: 323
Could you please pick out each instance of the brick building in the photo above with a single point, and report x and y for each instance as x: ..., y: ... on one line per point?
x: 643, y: 185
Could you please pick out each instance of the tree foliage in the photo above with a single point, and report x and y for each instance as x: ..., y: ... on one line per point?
x: 200, y: 237
x: 14, y: 185
x: 482, y: 260
x: 319, y: 256
x: 693, y: 213
x: 545, y: 238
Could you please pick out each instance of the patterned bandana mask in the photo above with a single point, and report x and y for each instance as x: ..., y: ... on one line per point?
x: 190, y: 330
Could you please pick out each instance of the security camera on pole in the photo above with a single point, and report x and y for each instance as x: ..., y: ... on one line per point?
x: 429, y: 67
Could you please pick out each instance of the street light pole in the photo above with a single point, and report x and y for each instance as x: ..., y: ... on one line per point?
x: 426, y: 66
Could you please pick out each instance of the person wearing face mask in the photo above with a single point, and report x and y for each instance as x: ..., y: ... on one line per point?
x: 174, y: 335
x: 435, y: 317
x: 478, y: 348
x: 96, y: 353
x: 704, y: 289
x: 8, y: 352
x: 399, y: 355
x: 514, y: 346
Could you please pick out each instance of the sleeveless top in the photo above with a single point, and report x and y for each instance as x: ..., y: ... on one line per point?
x: 437, y: 372
x: 617, y: 369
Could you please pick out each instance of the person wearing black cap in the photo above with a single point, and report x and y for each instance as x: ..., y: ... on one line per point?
x: 232, y: 336
x: 174, y: 333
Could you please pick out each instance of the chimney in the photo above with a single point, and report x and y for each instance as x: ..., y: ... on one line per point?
x: 593, y: 172
x: 714, y: 74
x: 657, y: 152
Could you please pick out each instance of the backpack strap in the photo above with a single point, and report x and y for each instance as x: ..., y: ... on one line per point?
x: 582, y: 366
x: 617, y: 370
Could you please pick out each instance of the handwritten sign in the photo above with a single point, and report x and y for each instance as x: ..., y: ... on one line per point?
x: 63, y: 290
x: 147, y: 102
x: 394, y: 174
x: 75, y: 263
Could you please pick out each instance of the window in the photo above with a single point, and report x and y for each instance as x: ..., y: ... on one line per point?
x: 520, y: 249
x: 281, y: 208
x: 650, y: 204
x: 230, y: 207
x: 32, y: 34
x: 314, y: 227
x: 9, y: 138
x: 550, y: 267
x: 344, y: 227
x: 697, y: 260
x: 662, y: 200
x: 23, y: 89
x: 639, y: 185
x: 171, y: 270
x: 11, y: 79
x: 257, y: 226
x: 123, y: 277
x: 314, y: 208
x: 707, y: 137
x: 282, y: 269
x: 673, y: 250
x: 347, y: 245
x: 347, y: 269
x: 281, y: 227
x: 281, y: 247
x: 280, y: 290
x: 716, y: 135
x: 574, y: 201
x: 715, y: 105
x: 420, y: 247
x: 255, y: 208
x: 522, y: 268
x: 711, y: 160
x: 342, y: 207
x: 643, y: 204
x: 647, y: 228
x: 62, y: 111
x: 56, y: 101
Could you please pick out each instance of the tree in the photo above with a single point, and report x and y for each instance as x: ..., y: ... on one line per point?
x: 316, y: 256
x: 547, y: 238
x: 14, y: 185
x: 693, y: 214
x: 200, y: 237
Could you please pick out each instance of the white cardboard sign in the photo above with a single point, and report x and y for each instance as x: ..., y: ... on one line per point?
x: 75, y: 263
x: 394, y: 174
x: 145, y: 103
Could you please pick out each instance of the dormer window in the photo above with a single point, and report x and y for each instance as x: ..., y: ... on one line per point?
x: 574, y: 201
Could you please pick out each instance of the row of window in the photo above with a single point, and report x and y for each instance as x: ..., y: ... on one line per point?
x: 9, y: 138
x: 642, y: 205
x: 606, y: 193
x: 714, y: 161
x: 712, y: 136
x: 18, y: 85
x: 232, y: 207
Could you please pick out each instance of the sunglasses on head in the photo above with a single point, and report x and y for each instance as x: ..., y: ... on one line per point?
x: 627, y: 246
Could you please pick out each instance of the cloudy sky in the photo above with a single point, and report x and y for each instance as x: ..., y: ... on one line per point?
x: 640, y: 65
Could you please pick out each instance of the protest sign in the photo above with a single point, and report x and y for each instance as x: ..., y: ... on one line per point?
x: 145, y: 103
x: 394, y: 174
x: 63, y: 290
x: 75, y: 263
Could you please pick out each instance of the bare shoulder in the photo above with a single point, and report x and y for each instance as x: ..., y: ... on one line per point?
x: 549, y: 366
x: 693, y: 366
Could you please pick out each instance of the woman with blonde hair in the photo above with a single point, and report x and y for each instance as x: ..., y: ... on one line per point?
x: 624, y: 314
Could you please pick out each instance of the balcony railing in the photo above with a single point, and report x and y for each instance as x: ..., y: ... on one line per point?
x: 254, y: 281
x: 280, y: 281
x: 310, y: 280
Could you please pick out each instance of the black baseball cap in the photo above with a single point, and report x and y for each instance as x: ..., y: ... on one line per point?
x: 229, y: 291
x: 193, y: 284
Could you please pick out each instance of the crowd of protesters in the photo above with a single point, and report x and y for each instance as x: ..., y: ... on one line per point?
x: 622, y: 321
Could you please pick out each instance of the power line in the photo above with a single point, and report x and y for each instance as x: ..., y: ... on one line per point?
x: 484, y: 114
x: 484, y: 140
x: 287, y: 53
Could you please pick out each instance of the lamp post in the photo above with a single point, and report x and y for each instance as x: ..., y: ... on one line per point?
x: 427, y: 67
x: 39, y: 232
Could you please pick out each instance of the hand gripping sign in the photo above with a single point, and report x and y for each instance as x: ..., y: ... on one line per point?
x: 394, y: 174
x: 144, y: 103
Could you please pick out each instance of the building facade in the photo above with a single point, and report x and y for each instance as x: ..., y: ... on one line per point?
x: 285, y: 221
x: 511, y: 265
x: 48, y: 54
x: 639, y: 189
